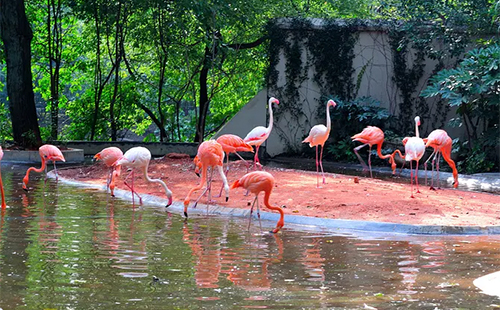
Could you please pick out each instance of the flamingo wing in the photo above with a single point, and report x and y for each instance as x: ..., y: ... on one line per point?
x: 257, y: 135
x: 317, y: 135
x: 371, y: 135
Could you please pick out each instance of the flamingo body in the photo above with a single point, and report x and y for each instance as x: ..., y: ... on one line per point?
x: 110, y: 156
x: 317, y: 137
x: 4, y: 205
x: 370, y: 136
x: 259, y: 134
x: 261, y: 181
x: 210, y: 154
x: 47, y: 152
x: 414, y: 150
x: 139, y: 158
x: 442, y: 144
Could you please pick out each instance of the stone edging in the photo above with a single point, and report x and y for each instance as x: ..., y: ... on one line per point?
x: 322, y: 223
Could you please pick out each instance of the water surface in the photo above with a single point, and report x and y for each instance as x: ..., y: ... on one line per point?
x: 62, y: 247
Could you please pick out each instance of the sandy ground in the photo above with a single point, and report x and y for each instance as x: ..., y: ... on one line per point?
x: 341, y: 198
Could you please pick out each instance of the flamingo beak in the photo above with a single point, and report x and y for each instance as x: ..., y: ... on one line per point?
x: 169, y: 202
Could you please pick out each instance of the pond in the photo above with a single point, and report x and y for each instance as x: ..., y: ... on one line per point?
x: 62, y: 247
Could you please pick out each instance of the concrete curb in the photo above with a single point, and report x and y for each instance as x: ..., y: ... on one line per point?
x: 319, y: 223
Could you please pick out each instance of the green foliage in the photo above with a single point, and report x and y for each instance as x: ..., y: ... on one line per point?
x: 5, y: 124
x: 473, y: 87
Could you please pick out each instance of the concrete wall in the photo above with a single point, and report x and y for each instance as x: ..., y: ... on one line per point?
x: 372, y: 51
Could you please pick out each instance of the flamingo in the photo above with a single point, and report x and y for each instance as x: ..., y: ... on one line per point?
x: 318, y: 136
x: 370, y: 136
x: 259, y: 134
x: 210, y: 154
x: 233, y: 144
x: 414, y: 150
x: 47, y: 152
x: 256, y: 182
x: 109, y: 156
x: 139, y: 157
x: 441, y: 143
x: 4, y: 205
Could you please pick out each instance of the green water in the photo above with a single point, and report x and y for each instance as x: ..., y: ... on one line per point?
x: 62, y: 247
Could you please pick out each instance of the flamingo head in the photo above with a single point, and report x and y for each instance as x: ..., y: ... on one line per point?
x: 273, y: 100
x: 97, y: 157
x: 331, y: 103
x: 417, y: 120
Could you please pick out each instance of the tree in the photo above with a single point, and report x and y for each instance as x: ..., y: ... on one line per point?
x: 17, y: 36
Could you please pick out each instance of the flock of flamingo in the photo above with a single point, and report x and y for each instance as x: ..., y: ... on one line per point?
x: 211, y: 154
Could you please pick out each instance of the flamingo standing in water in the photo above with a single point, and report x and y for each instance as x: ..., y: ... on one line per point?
x: 139, y: 157
x: 110, y: 156
x: 370, y: 136
x: 259, y: 134
x: 256, y: 182
x: 47, y: 152
x: 414, y: 150
x: 441, y: 143
x: 4, y: 205
x: 210, y: 154
x: 233, y: 144
x: 318, y: 136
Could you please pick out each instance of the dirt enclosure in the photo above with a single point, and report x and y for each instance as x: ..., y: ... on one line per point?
x: 341, y: 198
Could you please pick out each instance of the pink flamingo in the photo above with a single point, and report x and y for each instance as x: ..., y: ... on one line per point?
x: 4, y: 205
x: 233, y: 144
x: 261, y: 181
x: 139, y: 157
x: 370, y: 136
x: 414, y: 150
x: 441, y: 143
x: 110, y: 156
x: 259, y: 134
x: 47, y: 152
x: 318, y: 136
x: 210, y: 154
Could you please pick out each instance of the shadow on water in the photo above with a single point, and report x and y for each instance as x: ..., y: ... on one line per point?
x: 63, y: 247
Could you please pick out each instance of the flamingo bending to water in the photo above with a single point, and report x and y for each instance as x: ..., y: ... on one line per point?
x: 261, y: 181
x: 210, y: 154
x: 259, y: 134
x: 139, y: 157
x: 110, y: 156
x: 370, y: 136
x: 318, y: 136
x: 441, y: 143
x: 47, y: 152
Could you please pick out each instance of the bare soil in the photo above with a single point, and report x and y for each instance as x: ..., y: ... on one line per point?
x: 341, y: 198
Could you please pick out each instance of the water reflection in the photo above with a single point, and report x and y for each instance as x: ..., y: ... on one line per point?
x: 64, y: 247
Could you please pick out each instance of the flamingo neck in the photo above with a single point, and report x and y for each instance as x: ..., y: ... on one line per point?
x: 379, y: 152
x: 416, y: 130
x: 328, y: 120
x: 146, y: 176
x: 270, y: 127
x: 267, y: 194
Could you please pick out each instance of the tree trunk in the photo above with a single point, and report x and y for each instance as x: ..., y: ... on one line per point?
x: 17, y: 36
x: 204, y: 102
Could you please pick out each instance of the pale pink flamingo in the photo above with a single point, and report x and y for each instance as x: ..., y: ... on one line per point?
x: 318, y: 136
x: 139, y: 157
x: 110, y: 156
x: 210, y: 154
x: 233, y: 144
x: 261, y: 181
x: 370, y: 136
x: 441, y: 143
x: 4, y: 205
x: 414, y: 150
x: 47, y: 152
x: 259, y: 134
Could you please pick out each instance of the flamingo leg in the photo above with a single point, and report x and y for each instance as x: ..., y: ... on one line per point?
x: 246, y: 164
x: 437, y: 169
x: 432, y: 166
x: 416, y: 177
x: 55, y: 170
x: 251, y: 212
x: 411, y: 179
x: 356, y: 149
x: 317, y: 168
x: 321, y: 164
x: 370, y: 160
x: 132, y: 187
